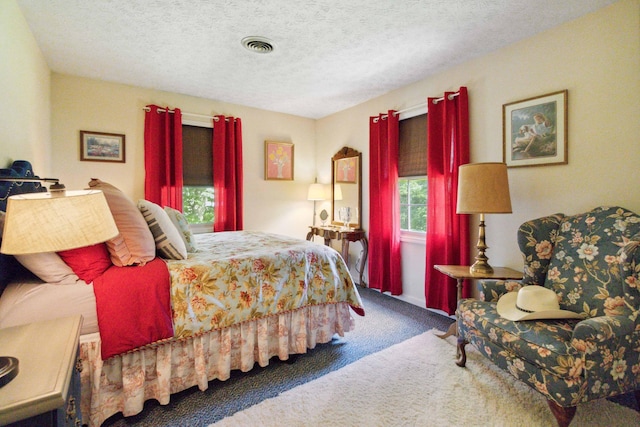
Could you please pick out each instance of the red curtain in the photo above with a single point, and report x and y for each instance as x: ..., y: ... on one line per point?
x: 163, y: 156
x: 447, y: 232
x: 227, y: 173
x: 385, y: 271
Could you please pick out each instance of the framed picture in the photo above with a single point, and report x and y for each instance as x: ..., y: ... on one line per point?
x: 278, y: 161
x: 535, y: 131
x: 347, y: 170
x: 102, y: 147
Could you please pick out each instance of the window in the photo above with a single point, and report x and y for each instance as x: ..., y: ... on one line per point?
x: 413, y: 204
x: 412, y: 169
x: 197, y: 171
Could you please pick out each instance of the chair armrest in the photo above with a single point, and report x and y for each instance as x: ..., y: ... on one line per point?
x: 601, y: 329
x: 492, y: 290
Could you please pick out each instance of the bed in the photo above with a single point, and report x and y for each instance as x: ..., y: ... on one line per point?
x: 237, y: 299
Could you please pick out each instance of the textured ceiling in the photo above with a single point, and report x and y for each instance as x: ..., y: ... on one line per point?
x: 329, y: 54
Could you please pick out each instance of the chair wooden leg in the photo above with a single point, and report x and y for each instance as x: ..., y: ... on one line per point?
x: 563, y: 415
x: 461, y: 354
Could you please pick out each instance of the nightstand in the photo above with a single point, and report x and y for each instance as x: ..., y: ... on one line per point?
x: 46, y: 391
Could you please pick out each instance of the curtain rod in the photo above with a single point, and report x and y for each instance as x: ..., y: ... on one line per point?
x: 200, y: 116
x: 422, y: 105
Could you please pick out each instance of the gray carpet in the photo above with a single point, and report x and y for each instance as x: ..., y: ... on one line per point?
x: 388, y: 321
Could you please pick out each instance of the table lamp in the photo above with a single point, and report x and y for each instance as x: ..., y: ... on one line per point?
x: 315, y: 193
x: 483, y: 188
x: 52, y: 222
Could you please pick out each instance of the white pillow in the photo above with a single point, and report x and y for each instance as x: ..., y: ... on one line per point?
x: 168, y: 240
x: 49, y: 267
x: 181, y: 223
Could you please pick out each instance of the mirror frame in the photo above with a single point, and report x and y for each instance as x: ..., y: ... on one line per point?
x: 346, y: 152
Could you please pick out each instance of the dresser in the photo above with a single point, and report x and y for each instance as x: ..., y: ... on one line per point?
x: 46, y: 391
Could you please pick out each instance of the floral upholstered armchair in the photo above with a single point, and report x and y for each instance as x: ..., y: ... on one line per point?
x: 592, y: 262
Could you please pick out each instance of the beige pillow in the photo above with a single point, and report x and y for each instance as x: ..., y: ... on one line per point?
x: 135, y: 244
x: 181, y: 223
x: 169, y: 243
x: 49, y: 267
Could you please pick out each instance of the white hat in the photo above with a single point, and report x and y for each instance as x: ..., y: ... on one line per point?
x: 532, y: 302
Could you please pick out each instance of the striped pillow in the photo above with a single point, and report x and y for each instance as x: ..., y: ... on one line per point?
x: 169, y: 243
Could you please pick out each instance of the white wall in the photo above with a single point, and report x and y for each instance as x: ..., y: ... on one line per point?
x: 597, y: 59
x: 86, y: 104
x: 25, y: 109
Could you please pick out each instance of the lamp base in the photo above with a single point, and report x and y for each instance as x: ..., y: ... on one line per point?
x: 8, y: 369
x: 480, y: 268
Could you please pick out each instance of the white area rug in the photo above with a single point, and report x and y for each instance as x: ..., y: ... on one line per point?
x: 417, y: 383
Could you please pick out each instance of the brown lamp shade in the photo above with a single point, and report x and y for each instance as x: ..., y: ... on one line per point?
x: 483, y: 188
x: 45, y: 222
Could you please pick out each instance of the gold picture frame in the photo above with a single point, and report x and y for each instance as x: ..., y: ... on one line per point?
x: 535, y: 131
x: 278, y: 161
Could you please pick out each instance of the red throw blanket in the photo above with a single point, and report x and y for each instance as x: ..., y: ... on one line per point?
x: 134, y: 306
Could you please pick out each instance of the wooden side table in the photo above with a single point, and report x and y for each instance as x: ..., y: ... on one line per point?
x: 462, y: 273
x: 46, y: 391
x: 346, y: 236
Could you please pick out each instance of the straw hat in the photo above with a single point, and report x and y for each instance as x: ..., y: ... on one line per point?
x: 532, y: 302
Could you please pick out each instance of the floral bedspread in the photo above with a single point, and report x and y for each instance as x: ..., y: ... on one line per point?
x: 245, y: 275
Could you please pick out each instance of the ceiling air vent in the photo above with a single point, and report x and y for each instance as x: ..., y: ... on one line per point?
x: 258, y: 44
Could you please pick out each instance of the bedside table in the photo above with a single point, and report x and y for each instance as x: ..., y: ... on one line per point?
x: 46, y: 391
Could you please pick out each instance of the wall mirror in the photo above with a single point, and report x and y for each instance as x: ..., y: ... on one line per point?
x: 346, y: 187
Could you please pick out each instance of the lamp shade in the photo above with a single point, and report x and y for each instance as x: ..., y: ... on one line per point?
x: 337, y: 192
x: 483, y: 188
x: 42, y: 222
x: 316, y: 192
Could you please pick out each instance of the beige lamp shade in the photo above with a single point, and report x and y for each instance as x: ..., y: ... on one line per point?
x: 316, y: 192
x: 337, y: 192
x: 483, y: 188
x: 42, y: 222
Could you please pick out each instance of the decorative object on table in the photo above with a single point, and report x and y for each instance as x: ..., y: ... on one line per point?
x: 345, y: 216
x: 278, y: 161
x: 483, y: 188
x: 535, y: 130
x: 52, y: 222
x: 324, y: 215
x: 315, y: 193
x: 102, y: 147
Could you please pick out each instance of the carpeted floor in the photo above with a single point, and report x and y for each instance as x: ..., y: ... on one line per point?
x: 394, y: 388
x: 388, y: 321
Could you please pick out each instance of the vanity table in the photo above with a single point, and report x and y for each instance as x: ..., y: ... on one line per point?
x: 346, y: 236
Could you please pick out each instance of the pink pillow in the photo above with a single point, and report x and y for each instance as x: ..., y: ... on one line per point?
x: 135, y: 244
x: 88, y: 262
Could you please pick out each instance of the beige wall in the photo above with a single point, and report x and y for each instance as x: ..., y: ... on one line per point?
x: 25, y: 110
x: 597, y: 59
x: 85, y: 104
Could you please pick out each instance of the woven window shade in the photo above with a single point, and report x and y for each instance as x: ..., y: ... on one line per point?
x: 412, y: 149
x: 197, y: 156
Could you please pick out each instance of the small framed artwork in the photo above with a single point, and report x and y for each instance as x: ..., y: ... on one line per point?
x: 278, y: 161
x: 347, y: 170
x: 535, y: 131
x: 102, y: 147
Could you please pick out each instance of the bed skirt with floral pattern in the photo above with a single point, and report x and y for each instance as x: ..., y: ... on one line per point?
x: 124, y: 382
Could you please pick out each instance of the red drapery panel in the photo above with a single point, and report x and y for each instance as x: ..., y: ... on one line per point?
x: 447, y: 232
x: 163, y: 156
x: 385, y: 271
x: 227, y: 173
